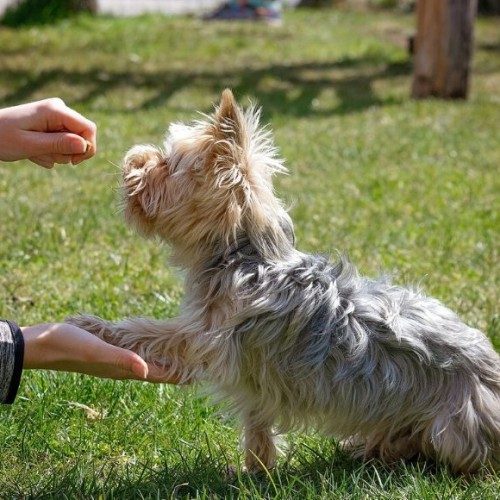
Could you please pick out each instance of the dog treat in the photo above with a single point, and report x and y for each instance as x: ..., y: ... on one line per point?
x: 292, y: 340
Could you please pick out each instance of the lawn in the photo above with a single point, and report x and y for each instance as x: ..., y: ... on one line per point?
x: 404, y: 187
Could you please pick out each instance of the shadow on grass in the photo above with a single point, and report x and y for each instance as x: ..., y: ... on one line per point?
x: 303, y: 475
x: 490, y: 46
x: 286, y: 89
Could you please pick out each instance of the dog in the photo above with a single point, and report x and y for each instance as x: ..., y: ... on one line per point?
x: 292, y: 340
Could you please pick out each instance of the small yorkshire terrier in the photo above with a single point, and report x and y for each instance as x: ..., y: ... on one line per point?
x: 293, y: 340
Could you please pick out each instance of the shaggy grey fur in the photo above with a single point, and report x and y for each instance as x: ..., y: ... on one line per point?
x: 399, y: 365
x: 295, y: 340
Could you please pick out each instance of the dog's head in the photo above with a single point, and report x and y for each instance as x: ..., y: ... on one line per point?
x: 210, y: 184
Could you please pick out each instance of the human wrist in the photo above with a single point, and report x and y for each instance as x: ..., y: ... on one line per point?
x: 32, y: 342
x: 41, y: 351
x: 5, y: 136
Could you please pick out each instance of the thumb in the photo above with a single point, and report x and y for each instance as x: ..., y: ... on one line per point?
x: 63, y: 143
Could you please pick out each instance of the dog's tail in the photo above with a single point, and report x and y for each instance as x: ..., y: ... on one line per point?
x: 462, y: 425
x: 469, y: 438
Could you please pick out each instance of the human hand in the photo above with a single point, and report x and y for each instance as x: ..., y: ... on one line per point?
x: 64, y: 347
x: 46, y: 132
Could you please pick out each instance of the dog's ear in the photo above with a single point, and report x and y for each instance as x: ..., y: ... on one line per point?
x: 229, y: 121
x: 228, y: 107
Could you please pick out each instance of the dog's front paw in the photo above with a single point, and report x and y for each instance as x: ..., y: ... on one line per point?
x: 260, y: 454
x: 94, y: 325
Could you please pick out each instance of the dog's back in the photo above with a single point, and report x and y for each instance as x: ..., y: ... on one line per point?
x: 319, y: 345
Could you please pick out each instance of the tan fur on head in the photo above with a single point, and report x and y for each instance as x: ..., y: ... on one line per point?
x: 212, y: 181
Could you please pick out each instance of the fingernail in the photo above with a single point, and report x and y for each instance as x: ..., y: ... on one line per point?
x: 140, y: 369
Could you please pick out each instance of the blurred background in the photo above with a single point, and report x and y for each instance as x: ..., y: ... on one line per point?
x: 132, y: 7
x: 387, y: 113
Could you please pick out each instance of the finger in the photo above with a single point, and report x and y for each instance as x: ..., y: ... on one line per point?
x: 43, y: 161
x: 59, y: 117
x: 55, y: 158
x: 129, y: 365
x: 62, y: 143
x: 90, y: 151
x: 139, y: 368
x: 74, y: 122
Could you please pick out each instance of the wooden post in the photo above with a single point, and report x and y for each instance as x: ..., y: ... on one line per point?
x: 86, y: 5
x: 443, y: 48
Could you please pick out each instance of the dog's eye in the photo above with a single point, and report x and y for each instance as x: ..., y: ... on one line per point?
x: 198, y: 165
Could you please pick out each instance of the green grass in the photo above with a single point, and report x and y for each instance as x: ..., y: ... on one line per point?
x: 410, y: 188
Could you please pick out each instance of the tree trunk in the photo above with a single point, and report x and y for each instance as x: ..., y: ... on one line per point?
x: 443, y: 48
x: 86, y: 5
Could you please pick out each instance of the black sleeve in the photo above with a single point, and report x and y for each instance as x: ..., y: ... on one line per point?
x: 11, y: 360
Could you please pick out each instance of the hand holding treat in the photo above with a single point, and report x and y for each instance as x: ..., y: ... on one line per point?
x: 46, y: 132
